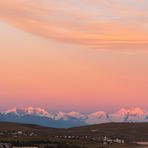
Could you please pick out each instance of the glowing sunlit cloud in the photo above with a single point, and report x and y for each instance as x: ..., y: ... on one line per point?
x: 112, y: 24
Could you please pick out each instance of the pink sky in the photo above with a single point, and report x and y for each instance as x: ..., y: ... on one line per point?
x: 82, y: 55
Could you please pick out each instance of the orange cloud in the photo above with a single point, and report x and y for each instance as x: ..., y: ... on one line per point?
x: 116, y: 27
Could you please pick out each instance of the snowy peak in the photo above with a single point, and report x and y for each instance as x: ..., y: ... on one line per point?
x: 132, y: 111
x: 137, y: 111
x: 97, y: 117
x: 14, y: 111
x: 38, y: 112
x: 28, y: 111
x: 76, y: 115
x: 43, y: 113
x: 66, y: 116
x: 130, y: 115
x: 123, y: 115
x: 60, y: 115
x: 136, y: 115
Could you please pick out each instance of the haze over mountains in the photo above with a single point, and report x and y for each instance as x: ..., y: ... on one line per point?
x: 64, y: 120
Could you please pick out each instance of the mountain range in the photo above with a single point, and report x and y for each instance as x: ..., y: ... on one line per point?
x: 42, y: 117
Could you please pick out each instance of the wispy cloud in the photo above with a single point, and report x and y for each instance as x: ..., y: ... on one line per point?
x: 92, y: 23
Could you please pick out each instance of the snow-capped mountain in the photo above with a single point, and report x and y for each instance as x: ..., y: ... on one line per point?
x: 129, y: 115
x: 97, y: 117
x: 29, y: 111
x: 62, y: 119
x: 66, y: 116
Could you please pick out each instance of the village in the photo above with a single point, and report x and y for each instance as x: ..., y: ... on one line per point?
x: 104, y: 140
x: 15, y: 134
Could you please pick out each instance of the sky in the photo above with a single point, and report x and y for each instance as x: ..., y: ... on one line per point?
x: 74, y: 55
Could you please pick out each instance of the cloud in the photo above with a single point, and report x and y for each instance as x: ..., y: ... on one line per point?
x: 94, y: 24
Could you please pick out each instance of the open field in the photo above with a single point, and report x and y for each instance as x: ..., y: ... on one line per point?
x: 83, y: 137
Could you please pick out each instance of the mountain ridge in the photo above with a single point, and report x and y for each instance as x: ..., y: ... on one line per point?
x: 64, y: 120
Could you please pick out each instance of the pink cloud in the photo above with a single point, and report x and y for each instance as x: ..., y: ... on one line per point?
x: 116, y: 25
